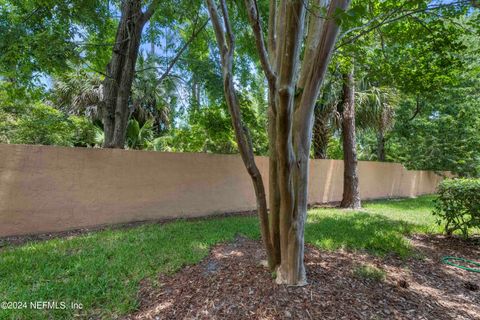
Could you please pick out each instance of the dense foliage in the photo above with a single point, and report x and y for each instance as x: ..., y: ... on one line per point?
x: 416, y: 63
x: 458, y: 205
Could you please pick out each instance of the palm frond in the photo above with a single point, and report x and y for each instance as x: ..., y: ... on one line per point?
x: 375, y: 108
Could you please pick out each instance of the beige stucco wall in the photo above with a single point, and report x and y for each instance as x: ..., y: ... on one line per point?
x: 48, y: 189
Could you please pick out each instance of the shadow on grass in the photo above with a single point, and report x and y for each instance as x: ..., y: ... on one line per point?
x: 103, y: 270
x: 359, y: 231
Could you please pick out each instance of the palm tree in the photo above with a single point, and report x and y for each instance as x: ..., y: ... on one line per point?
x: 326, y: 118
x: 376, y: 111
x: 153, y: 96
x: 78, y: 93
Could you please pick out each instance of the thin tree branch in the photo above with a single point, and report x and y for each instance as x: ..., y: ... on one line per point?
x: 226, y: 46
x: 149, y: 12
x: 217, y: 27
x: 386, y: 21
x: 229, y: 33
x: 417, y: 109
x: 254, y: 17
x: 272, y: 37
x: 182, y: 49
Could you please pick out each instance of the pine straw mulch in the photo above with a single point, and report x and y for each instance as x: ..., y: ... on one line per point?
x: 231, y: 284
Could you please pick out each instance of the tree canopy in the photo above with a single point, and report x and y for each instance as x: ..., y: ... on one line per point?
x: 417, y: 74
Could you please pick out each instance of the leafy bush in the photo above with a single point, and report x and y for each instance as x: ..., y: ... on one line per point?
x: 139, y: 137
x: 458, y: 205
x: 84, y: 132
x: 43, y: 125
x: 39, y: 123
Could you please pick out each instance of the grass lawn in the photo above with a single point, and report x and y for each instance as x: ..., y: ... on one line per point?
x: 102, y: 270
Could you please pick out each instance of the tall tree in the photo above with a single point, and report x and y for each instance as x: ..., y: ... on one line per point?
x: 322, y: 130
x: 351, y: 188
x: 44, y: 37
x: 121, y: 70
x: 291, y: 104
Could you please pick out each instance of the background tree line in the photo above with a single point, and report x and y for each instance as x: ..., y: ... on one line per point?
x: 416, y: 78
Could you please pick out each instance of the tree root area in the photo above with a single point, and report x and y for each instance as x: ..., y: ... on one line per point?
x: 232, y: 284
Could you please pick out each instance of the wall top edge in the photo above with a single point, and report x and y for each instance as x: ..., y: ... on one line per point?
x: 40, y: 148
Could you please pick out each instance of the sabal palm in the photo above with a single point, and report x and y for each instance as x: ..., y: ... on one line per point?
x: 152, y: 94
x: 375, y: 108
x: 78, y: 92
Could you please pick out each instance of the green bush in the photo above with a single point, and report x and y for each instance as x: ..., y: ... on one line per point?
x: 38, y: 123
x: 458, y: 205
x: 43, y: 124
x: 84, y: 132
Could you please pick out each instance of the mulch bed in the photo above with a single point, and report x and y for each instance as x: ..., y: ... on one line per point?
x: 231, y: 284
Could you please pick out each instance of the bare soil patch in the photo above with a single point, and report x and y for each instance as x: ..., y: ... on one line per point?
x: 231, y: 284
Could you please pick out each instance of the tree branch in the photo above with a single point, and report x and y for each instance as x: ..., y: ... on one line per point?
x: 417, y: 109
x: 226, y: 45
x: 315, y: 27
x: 272, y: 36
x: 182, y: 49
x: 229, y: 33
x: 254, y: 18
x: 150, y: 11
x: 386, y: 21
x: 318, y: 68
x: 217, y: 27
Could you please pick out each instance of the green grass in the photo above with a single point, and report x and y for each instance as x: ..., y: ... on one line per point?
x: 102, y: 270
x: 379, y: 227
x: 369, y: 272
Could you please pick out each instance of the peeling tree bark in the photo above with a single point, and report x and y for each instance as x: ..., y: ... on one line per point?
x: 225, y: 40
x: 351, y: 192
x: 293, y: 91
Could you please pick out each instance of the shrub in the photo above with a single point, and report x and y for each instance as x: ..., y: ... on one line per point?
x: 39, y: 123
x: 84, y: 132
x: 43, y: 124
x: 458, y: 205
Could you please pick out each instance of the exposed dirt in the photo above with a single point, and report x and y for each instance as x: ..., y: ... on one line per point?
x: 231, y: 284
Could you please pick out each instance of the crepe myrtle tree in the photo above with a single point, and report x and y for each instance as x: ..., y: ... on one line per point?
x: 293, y: 87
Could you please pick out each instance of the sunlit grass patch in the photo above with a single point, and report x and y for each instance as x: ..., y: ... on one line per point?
x: 369, y: 272
x: 102, y: 270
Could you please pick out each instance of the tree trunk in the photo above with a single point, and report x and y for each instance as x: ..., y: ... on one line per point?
x: 120, y: 72
x: 291, y: 105
x: 225, y: 41
x: 321, y: 131
x: 380, y: 146
x: 351, y: 193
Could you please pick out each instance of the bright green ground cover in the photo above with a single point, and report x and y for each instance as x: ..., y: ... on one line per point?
x: 102, y: 270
